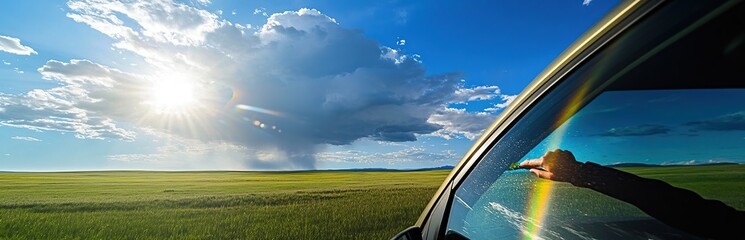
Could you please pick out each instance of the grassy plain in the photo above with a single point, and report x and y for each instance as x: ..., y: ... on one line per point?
x: 725, y: 183
x: 257, y: 205
x: 212, y: 205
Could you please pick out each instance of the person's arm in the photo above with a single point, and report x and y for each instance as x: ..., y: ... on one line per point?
x: 680, y: 208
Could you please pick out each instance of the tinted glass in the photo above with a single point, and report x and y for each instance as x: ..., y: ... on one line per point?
x: 671, y: 135
x: 665, y: 107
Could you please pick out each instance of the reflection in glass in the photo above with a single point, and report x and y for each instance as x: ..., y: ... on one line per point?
x: 678, y: 136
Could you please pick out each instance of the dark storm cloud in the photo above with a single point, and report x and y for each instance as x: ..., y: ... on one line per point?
x: 728, y: 122
x: 638, y: 130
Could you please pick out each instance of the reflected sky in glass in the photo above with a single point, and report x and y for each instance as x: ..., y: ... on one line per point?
x: 665, y: 127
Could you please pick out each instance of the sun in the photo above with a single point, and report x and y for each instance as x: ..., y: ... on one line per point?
x: 172, y: 96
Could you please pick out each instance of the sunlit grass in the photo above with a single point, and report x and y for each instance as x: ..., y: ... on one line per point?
x: 725, y: 183
x: 259, y: 205
x: 219, y: 205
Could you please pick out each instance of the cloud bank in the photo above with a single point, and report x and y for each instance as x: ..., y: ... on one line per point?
x: 412, y: 154
x: 299, y: 82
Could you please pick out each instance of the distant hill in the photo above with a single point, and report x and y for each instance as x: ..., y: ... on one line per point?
x: 633, y: 165
x: 444, y: 167
x: 667, y: 165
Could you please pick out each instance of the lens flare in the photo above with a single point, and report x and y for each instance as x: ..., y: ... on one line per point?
x: 245, y: 107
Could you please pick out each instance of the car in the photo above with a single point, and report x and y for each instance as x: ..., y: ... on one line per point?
x: 655, y: 93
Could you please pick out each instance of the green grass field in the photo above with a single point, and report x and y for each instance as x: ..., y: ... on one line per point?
x: 212, y: 205
x: 255, y: 205
x: 725, y: 183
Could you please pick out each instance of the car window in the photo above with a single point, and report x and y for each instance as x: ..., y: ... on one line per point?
x: 661, y: 109
x: 671, y: 135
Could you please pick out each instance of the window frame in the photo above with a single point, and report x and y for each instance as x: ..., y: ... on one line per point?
x: 584, y: 49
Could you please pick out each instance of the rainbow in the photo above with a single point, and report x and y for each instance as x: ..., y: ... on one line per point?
x: 540, y: 197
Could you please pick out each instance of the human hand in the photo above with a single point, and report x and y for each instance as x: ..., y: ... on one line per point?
x: 557, y: 165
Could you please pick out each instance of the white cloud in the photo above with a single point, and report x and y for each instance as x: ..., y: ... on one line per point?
x: 30, y: 139
x: 301, y: 72
x: 6, y: 63
x: 586, y: 2
x: 457, y: 122
x: 159, y: 20
x: 261, y: 11
x: 479, y: 93
x: 85, y: 105
x: 508, y: 99
x: 401, y: 42
x: 243, y: 28
x: 18, y: 71
x: 301, y: 24
x: 696, y: 162
x: 14, y: 46
x: 393, y: 55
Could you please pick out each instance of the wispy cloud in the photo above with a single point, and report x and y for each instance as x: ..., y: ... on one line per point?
x: 638, y: 130
x: 586, y: 2
x: 402, y: 16
x: 14, y: 46
x: 261, y: 11
x: 30, y: 139
x: 478, y: 93
x: 507, y: 100
x: 696, y: 162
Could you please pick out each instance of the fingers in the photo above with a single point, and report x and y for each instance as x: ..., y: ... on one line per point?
x: 557, y: 152
x: 532, y: 163
x: 555, y: 165
x: 542, y: 174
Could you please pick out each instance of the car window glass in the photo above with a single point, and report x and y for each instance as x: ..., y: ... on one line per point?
x: 660, y: 105
x: 671, y: 135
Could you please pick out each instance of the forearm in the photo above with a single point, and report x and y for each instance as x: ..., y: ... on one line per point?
x: 677, y: 207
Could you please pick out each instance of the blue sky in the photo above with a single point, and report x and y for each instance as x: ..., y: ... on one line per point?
x: 667, y: 127
x: 237, y: 85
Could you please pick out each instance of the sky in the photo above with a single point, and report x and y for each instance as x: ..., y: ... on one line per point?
x: 266, y: 85
x: 659, y: 127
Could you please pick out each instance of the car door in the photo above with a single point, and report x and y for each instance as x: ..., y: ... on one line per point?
x: 659, y: 95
